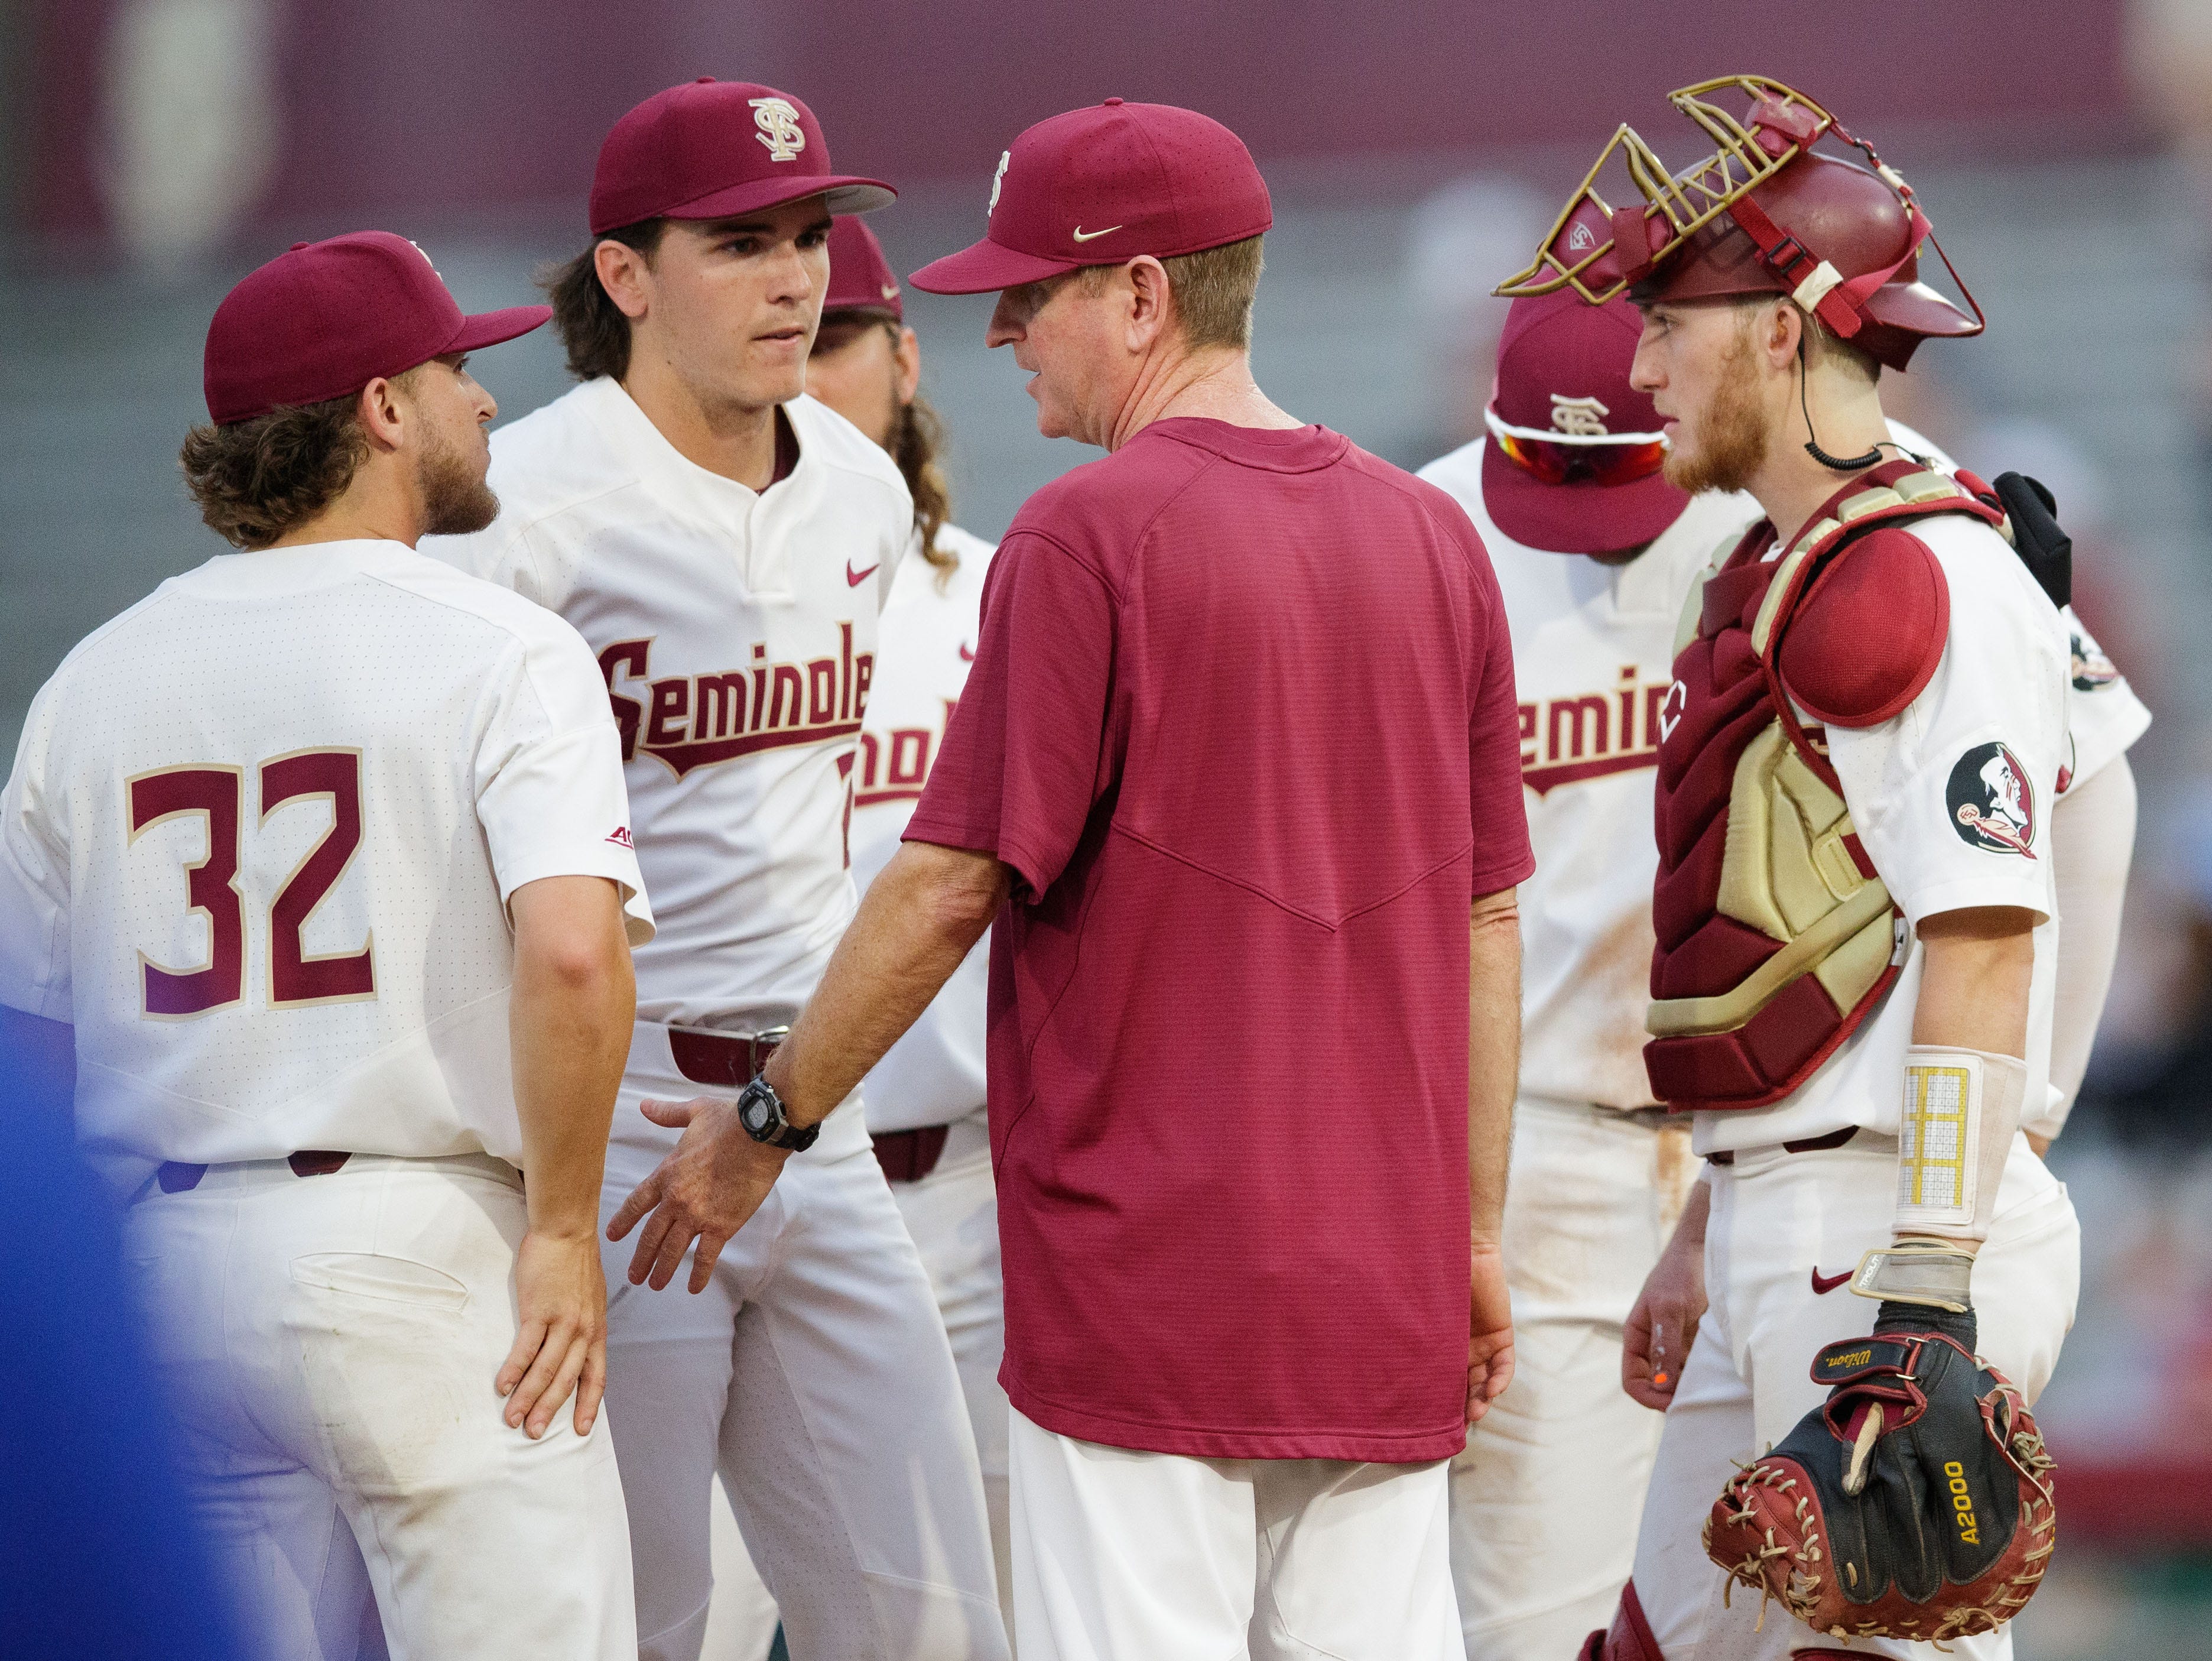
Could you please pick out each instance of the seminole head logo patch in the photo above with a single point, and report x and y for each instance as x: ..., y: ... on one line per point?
x: 1992, y: 804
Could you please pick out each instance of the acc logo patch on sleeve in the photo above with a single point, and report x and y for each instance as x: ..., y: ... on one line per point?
x: 1991, y: 801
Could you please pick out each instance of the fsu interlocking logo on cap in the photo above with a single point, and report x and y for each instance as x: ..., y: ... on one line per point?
x: 778, y: 128
x: 682, y: 154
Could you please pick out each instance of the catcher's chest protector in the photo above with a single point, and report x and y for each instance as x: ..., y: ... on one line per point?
x: 1775, y: 935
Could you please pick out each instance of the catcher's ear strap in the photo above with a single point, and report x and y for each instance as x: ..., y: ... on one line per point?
x: 1962, y: 1109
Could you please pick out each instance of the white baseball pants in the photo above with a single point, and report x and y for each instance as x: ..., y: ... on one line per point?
x: 813, y: 1373
x: 331, y: 1343
x: 952, y: 1215
x: 1778, y: 1220
x: 1592, y: 1196
x: 1122, y: 1555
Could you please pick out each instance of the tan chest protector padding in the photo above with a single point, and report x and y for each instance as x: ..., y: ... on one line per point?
x: 1788, y: 872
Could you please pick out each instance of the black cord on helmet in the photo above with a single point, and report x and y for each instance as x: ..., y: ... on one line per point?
x: 1840, y: 464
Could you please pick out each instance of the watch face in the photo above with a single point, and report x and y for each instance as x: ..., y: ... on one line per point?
x: 755, y: 1111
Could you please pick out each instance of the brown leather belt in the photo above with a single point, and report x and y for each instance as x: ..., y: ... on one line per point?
x: 176, y: 1176
x: 1809, y: 1145
x: 908, y: 1156
x: 733, y: 1060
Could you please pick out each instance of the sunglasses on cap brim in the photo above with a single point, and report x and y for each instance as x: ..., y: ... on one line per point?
x: 1554, y: 458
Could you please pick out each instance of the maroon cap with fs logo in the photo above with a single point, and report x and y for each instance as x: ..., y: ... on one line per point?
x: 1573, y: 462
x: 710, y: 148
x: 328, y: 318
x: 860, y: 278
x: 1097, y: 186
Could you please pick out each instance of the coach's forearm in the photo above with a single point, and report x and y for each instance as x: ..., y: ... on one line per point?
x: 919, y: 919
x: 1493, y: 1056
x: 575, y: 999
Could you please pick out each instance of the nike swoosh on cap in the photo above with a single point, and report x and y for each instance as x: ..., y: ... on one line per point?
x: 1082, y: 236
x: 1823, y: 1284
x: 890, y: 290
x: 853, y: 579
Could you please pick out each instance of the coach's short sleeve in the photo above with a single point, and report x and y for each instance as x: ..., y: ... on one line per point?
x: 1025, y: 756
x: 1503, y: 856
x: 35, y: 893
x: 549, y: 791
x: 1952, y: 798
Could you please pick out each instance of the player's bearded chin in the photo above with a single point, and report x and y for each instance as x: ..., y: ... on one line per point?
x: 456, y: 500
x: 1730, y: 442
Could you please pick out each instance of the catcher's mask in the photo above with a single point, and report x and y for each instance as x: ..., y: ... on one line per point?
x: 1762, y: 215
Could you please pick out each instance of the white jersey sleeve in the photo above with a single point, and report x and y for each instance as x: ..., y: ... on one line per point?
x: 34, y: 899
x: 267, y: 886
x: 548, y: 773
x: 1953, y: 797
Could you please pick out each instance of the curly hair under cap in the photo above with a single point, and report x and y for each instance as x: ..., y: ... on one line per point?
x: 914, y: 446
x: 255, y: 480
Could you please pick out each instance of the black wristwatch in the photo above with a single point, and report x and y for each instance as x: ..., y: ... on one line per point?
x: 760, y: 1109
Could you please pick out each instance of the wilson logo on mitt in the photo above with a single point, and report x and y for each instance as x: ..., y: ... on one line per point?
x: 1915, y: 1503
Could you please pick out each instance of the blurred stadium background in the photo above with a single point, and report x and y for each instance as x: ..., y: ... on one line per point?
x: 155, y: 149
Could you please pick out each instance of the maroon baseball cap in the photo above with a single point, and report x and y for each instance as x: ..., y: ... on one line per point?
x: 1572, y: 463
x: 710, y: 148
x: 328, y: 318
x: 1097, y: 186
x: 860, y: 278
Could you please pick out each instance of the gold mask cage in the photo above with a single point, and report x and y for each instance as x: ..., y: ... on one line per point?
x: 1688, y: 200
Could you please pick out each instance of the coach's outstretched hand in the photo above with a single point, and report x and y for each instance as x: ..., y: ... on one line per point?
x: 705, y: 1191
x: 1489, y: 1335
x: 1664, y: 1323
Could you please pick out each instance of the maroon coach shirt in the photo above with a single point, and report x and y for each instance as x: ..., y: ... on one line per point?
x: 1242, y: 720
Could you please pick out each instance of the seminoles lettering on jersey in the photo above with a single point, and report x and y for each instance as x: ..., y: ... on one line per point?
x: 685, y: 721
x: 1590, y: 734
x: 895, y: 766
x: 737, y: 637
x: 1776, y: 937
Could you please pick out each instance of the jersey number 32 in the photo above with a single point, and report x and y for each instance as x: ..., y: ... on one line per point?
x: 216, y: 793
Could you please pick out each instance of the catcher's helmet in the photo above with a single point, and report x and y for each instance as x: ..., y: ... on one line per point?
x: 1763, y: 214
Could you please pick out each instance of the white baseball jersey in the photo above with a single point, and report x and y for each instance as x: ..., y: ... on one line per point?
x: 934, y: 1074
x: 258, y: 843
x: 1952, y: 799
x: 1593, y: 650
x: 736, y: 631
x: 1593, y: 657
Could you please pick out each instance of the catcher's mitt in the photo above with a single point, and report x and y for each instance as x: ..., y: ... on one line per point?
x: 1915, y: 1503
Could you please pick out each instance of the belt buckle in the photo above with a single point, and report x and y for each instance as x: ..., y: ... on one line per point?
x: 762, y: 1045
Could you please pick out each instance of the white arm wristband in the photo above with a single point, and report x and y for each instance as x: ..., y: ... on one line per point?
x: 1961, y: 1109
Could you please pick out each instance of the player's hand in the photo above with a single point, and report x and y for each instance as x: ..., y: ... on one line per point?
x: 560, y: 1294
x: 706, y: 1189
x: 1664, y: 1322
x: 1489, y: 1335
